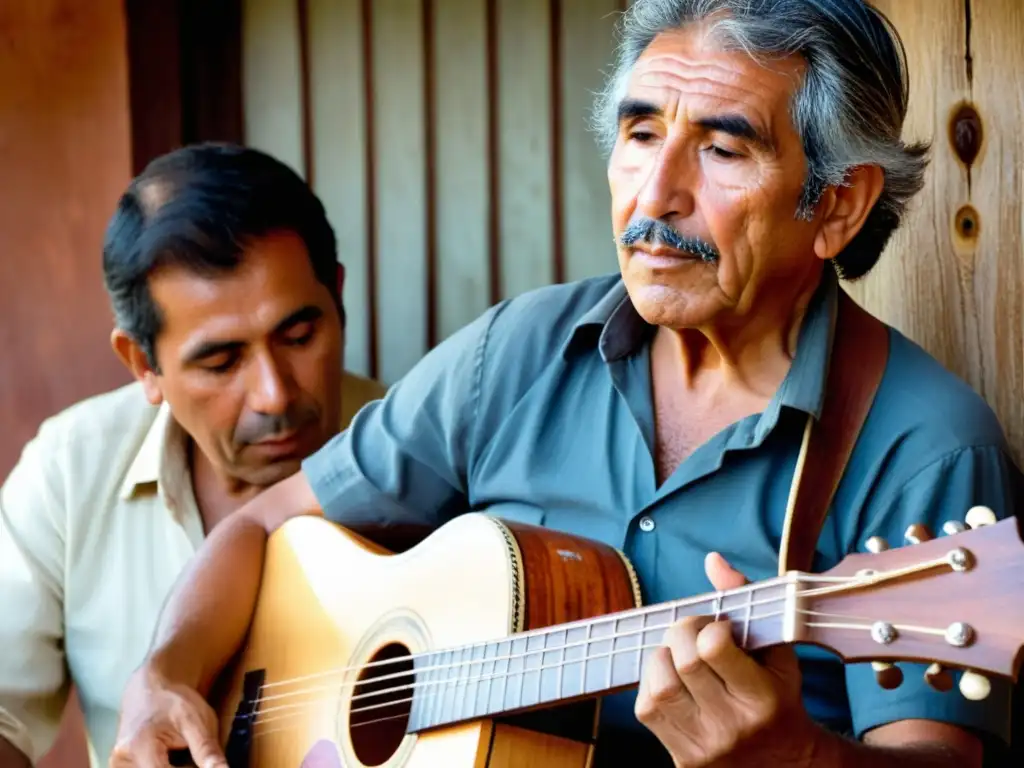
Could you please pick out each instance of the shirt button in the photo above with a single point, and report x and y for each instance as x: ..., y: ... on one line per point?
x: 646, y: 524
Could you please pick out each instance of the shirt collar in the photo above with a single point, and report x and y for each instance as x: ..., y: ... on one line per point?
x: 161, y: 459
x: 617, y: 329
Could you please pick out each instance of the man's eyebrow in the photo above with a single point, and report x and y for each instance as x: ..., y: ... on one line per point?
x: 738, y: 126
x: 630, y: 108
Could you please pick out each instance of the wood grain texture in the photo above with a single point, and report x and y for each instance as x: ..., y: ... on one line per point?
x: 401, y: 192
x: 461, y: 190
x: 272, y: 80
x: 961, y: 298
x: 65, y: 149
x: 339, y: 156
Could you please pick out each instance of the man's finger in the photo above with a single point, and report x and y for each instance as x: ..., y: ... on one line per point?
x: 700, y: 680
x: 742, y: 677
x: 660, y: 686
x: 722, y: 575
x: 206, y: 752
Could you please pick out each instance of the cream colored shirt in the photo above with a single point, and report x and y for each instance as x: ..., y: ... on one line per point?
x: 97, y: 521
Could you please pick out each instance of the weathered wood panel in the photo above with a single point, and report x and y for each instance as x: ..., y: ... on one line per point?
x: 272, y: 79
x: 951, y: 279
x: 338, y: 155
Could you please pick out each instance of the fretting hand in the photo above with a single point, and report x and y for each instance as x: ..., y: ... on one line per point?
x: 710, y: 702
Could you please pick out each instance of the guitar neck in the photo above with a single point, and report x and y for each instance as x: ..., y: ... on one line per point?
x: 581, y: 659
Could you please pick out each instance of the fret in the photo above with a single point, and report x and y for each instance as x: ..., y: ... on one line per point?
x: 640, y: 647
x: 746, y: 618
x: 561, y: 664
x: 433, y: 688
x: 462, y: 683
x: 718, y: 605
x: 611, y: 650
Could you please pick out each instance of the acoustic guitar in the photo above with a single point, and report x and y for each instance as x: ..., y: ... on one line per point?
x: 490, y: 643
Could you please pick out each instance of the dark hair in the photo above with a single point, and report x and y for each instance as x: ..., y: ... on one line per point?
x: 849, y: 109
x: 198, y: 207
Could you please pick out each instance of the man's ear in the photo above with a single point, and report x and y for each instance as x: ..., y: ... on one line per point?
x: 845, y: 208
x: 134, y: 358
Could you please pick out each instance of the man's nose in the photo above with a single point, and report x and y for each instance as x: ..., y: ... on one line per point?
x: 667, y: 190
x: 269, y: 388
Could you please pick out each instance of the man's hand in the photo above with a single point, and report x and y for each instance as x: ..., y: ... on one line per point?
x: 707, y: 700
x: 158, y: 716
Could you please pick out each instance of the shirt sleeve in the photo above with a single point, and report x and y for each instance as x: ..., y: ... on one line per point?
x: 402, y: 461
x: 945, y: 490
x: 33, y: 688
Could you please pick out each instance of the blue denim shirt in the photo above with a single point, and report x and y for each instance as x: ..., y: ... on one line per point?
x: 541, y: 411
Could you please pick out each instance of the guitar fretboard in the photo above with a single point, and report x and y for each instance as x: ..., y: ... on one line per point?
x: 568, y: 661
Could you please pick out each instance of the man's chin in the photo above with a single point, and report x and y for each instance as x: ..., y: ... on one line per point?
x: 670, y: 306
x: 270, y: 473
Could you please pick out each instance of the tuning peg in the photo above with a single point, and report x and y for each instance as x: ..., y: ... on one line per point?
x: 888, y: 676
x: 938, y: 678
x: 953, y: 527
x: 876, y: 544
x: 917, y: 533
x: 974, y: 687
x: 979, y: 516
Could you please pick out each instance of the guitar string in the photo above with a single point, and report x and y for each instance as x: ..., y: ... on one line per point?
x: 847, y: 583
x: 260, y: 720
x: 448, y: 682
x: 643, y: 611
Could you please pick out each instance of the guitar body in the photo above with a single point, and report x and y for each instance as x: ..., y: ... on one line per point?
x: 331, y: 601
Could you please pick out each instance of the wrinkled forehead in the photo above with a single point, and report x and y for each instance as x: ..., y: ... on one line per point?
x: 696, y: 65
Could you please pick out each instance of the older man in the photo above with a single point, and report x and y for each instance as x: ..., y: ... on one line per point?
x: 755, y: 155
x: 225, y: 285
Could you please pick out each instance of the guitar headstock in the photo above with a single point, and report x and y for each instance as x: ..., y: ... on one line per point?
x: 955, y: 601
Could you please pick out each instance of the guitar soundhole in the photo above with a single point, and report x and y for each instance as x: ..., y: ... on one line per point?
x: 382, y: 700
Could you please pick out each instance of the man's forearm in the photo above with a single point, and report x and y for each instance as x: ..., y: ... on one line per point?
x: 11, y: 757
x: 209, y: 610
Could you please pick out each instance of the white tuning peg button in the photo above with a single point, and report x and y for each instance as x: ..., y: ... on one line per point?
x: 876, y: 544
x: 979, y: 516
x: 953, y: 527
x: 974, y: 687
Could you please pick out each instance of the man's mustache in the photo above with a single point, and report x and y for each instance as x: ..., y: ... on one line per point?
x: 255, y: 427
x: 655, y: 232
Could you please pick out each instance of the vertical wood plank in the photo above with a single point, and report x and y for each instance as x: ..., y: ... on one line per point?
x: 997, y: 192
x: 398, y: 104
x: 462, y: 204
x: 588, y: 46
x: 918, y: 285
x: 339, y: 155
x: 525, y: 142
x: 272, y: 79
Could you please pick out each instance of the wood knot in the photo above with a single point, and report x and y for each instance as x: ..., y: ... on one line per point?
x: 968, y: 223
x: 966, y: 134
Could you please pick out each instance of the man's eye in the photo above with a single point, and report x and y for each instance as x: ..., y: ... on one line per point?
x: 725, y: 154
x: 220, y: 363
x: 641, y: 137
x: 300, y: 334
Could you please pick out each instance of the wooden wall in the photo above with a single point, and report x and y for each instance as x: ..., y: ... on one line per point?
x: 449, y: 143
x: 65, y: 157
x: 953, y: 280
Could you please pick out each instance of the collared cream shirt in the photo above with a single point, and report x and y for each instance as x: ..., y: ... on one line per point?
x: 97, y: 521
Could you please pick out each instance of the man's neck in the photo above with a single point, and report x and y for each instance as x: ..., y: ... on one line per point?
x: 216, y: 496
x: 750, y: 353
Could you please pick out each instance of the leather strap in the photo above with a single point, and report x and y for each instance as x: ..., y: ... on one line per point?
x: 860, y: 350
